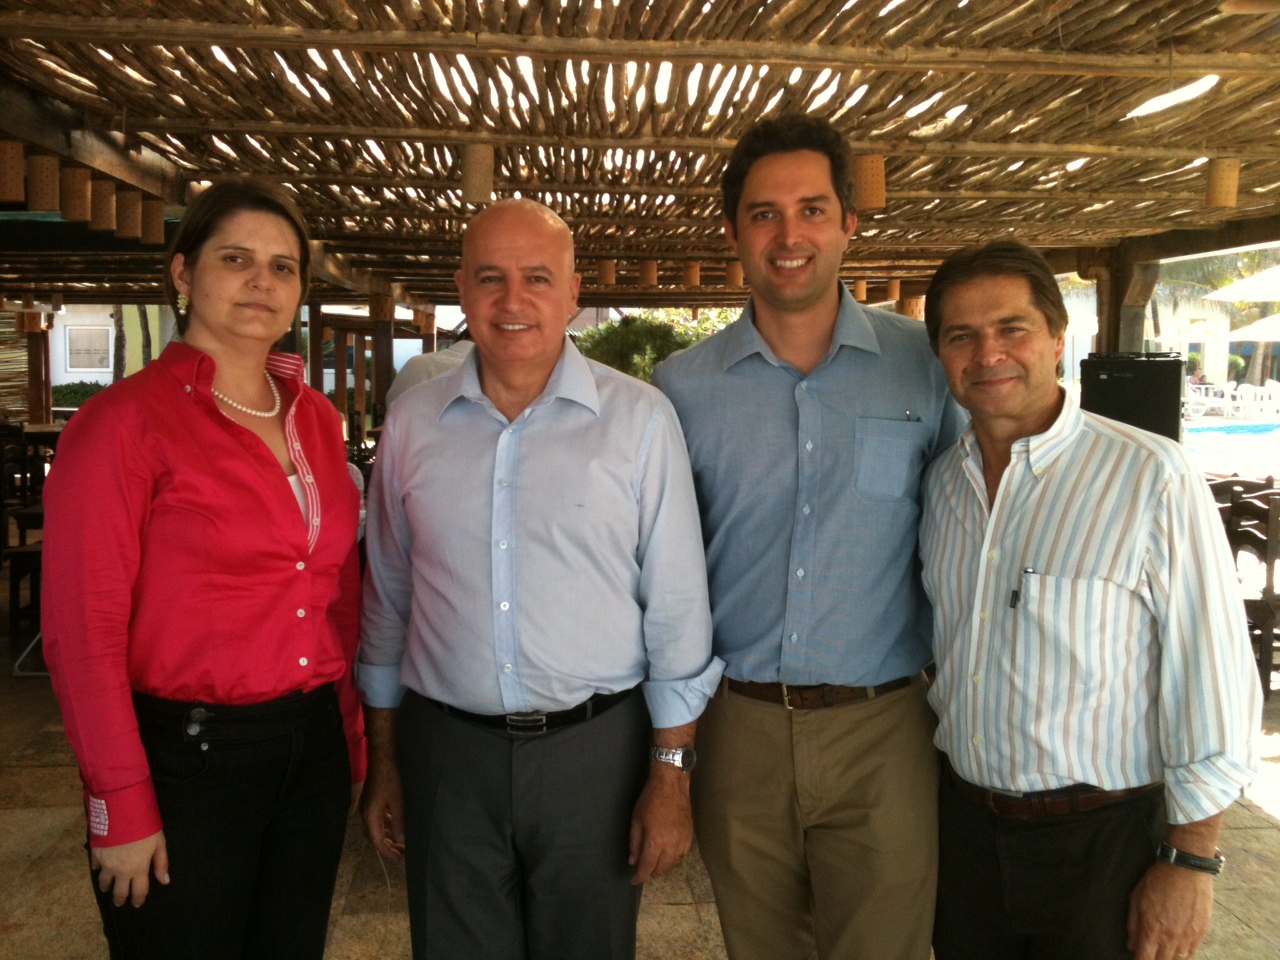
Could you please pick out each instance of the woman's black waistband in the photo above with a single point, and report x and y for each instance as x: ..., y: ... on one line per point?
x: 196, y: 720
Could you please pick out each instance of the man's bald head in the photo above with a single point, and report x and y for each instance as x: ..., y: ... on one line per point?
x: 516, y: 215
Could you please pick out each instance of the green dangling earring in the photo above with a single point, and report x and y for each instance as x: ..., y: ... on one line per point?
x: 184, y: 304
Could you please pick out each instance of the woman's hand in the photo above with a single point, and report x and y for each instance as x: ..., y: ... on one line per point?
x: 126, y: 868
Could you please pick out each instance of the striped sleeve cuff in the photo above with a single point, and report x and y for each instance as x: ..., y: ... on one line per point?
x: 122, y: 816
x: 1204, y: 788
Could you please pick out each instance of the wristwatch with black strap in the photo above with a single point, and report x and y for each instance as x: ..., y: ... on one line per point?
x: 1180, y: 858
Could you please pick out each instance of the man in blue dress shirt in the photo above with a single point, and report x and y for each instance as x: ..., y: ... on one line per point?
x: 809, y: 422
x: 536, y: 603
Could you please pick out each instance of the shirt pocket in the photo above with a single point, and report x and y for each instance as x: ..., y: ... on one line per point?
x: 889, y: 456
x: 1076, y: 630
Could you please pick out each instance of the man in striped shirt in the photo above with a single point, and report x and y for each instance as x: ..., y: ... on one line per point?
x: 1096, y: 695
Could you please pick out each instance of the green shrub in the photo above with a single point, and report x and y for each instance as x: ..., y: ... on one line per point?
x: 633, y: 345
x: 1235, y: 367
x: 76, y: 393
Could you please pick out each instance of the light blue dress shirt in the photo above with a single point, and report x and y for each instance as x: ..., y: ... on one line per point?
x: 809, y: 489
x: 527, y: 565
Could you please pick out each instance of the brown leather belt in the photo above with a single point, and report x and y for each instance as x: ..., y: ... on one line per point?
x: 1046, y: 803
x: 812, y: 697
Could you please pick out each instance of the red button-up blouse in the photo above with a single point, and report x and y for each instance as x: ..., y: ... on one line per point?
x: 177, y: 563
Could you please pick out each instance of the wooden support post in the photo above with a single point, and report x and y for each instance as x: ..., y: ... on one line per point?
x: 649, y: 273
x: 75, y: 201
x: 129, y: 214
x: 361, y: 373
x: 868, y: 182
x: 860, y: 291
x: 315, y: 345
x: 382, y: 311
x: 426, y: 323
x: 341, y: 340
x: 39, y: 380
x: 733, y: 275
x: 13, y: 172
x: 43, y: 183
x: 103, y: 205
x: 1124, y: 289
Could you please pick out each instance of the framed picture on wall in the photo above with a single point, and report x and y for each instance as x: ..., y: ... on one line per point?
x: 88, y: 348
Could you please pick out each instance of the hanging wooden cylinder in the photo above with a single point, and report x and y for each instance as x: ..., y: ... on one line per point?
x: 102, y: 198
x: 76, y: 203
x: 913, y: 307
x: 733, y: 275
x: 692, y: 273
x: 44, y: 187
x: 1224, y: 182
x: 129, y: 214
x: 477, y: 173
x: 13, y: 172
x: 868, y: 182
x: 55, y: 301
x: 860, y: 291
x: 606, y: 272
x: 152, y: 220
x: 895, y: 290
x: 649, y: 273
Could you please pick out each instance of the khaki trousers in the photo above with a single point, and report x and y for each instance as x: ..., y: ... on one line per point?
x: 819, y: 827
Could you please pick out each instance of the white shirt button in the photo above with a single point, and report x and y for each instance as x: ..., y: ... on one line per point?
x: 992, y: 554
x: 806, y: 510
x: 808, y: 445
x: 984, y: 615
x: 301, y: 565
x: 800, y: 573
x: 187, y: 388
x: 302, y: 612
x: 977, y: 678
x: 505, y: 483
x: 506, y: 667
x: 504, y: 605
x: 502, y: 544
x: 794, y: 638
x: 302, y: 661
x: 315, y: 521
x: 977, y: 741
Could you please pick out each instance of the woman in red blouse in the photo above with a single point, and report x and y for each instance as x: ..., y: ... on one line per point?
x: 201, y: 610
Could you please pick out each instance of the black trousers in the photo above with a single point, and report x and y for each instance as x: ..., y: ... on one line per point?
x: 254, y: 805
x: 516, y: 846
x: 1052, y: 888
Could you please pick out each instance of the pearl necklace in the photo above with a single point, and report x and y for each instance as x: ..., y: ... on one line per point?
x: 275, y: 392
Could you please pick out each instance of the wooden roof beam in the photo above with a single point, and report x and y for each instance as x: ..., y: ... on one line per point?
x: 336, y: 269
x: 665, y: 144
x: 58, y: 128
x: 999, y: 61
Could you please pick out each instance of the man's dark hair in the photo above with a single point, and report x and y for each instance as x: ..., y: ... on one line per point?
x: 792, y: 131
x: 219, y: 202
x: 1003, y: 258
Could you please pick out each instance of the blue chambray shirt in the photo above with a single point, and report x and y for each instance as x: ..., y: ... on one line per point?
x: 527, y: 565
x: 809, y: 491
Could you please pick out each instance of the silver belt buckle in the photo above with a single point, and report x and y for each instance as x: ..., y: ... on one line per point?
x: 529, y: 724
x: 786, y: 697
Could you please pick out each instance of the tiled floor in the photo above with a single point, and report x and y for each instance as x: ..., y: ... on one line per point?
x: 47, y: 911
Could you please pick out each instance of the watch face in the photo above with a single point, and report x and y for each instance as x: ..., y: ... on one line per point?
x: 688, y: 758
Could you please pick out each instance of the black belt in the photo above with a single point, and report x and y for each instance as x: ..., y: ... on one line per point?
x: 1078, y: 798
x: 812, y: 697
x: 535, y: 722
x: 198, y: 720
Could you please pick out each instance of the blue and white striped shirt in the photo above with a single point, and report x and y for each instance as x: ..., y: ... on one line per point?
x: 1088, y: 626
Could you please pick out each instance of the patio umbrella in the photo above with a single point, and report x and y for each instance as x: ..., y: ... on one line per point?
x: 1262, y: 287
x: 1260, y: 331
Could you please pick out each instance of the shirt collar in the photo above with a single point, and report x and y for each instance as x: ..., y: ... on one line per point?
x: 852, y: 329
x: 571, y: 379
x: 195, y: 368
x: 1042, y: 448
